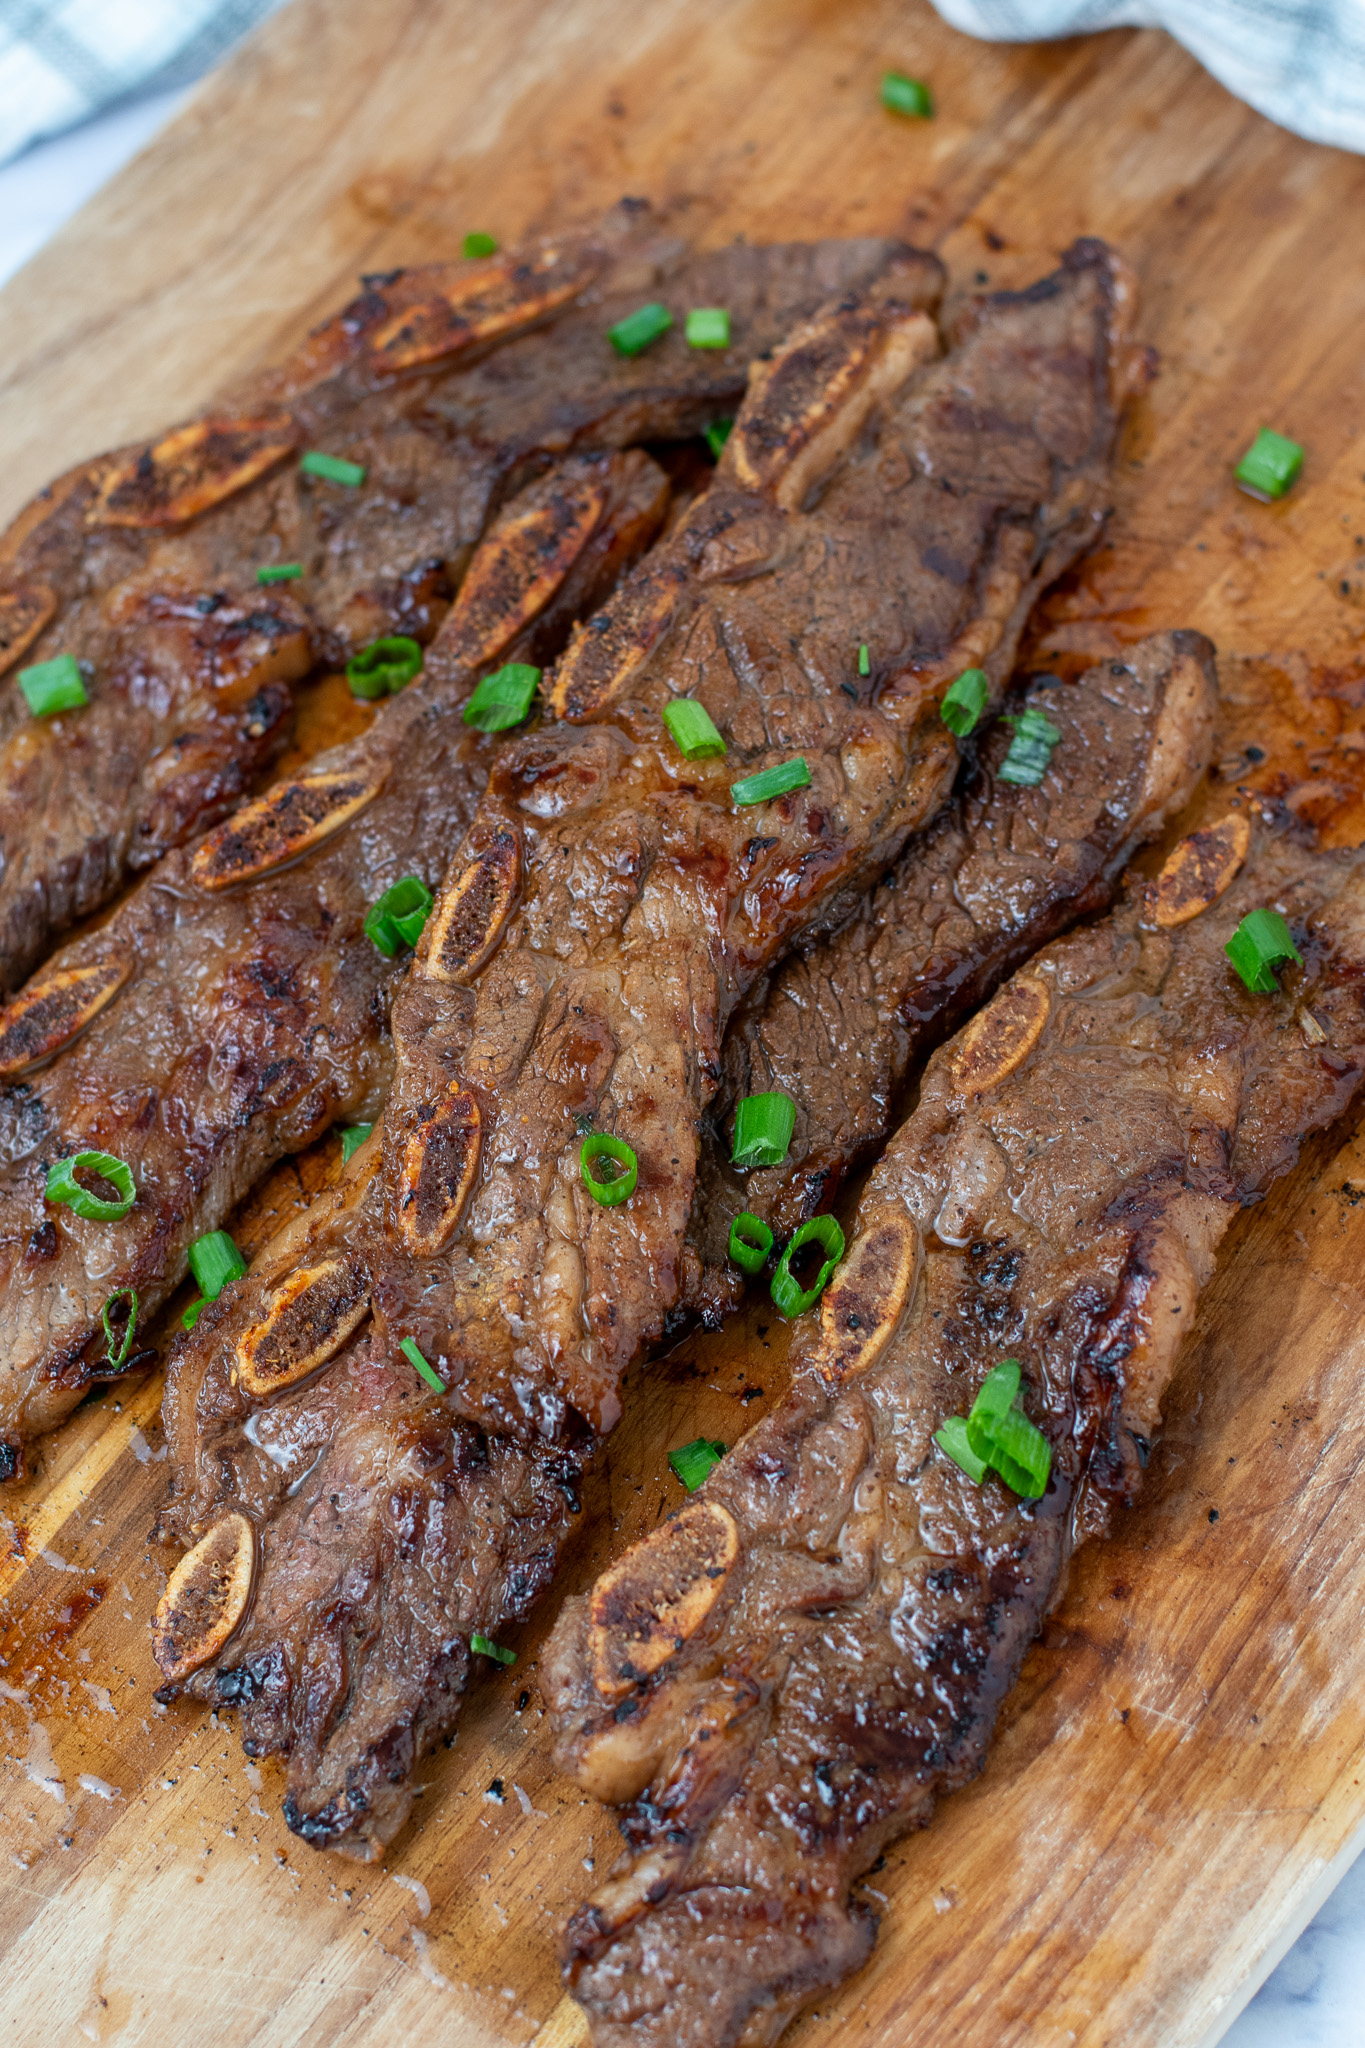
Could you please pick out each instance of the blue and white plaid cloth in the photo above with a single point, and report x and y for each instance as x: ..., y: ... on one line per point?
x: 1300, y: 62
x: 63, y: 60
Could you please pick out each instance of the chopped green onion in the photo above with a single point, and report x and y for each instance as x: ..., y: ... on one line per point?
x: 758, y: 789
x: 953, y: 1439
x: 397, y: 918
x: 1031, y: 748
x: 789, y: 1297
x: 414, y: 1357
x: 193, y: 1313
x: 1261, y: 943
x: 1270, y: 465
x: 997, y: 1434
x: 215, y: 1261
x: 54, y: 685
x: 503, y: 699
x: 629, y: 336
x: 352, y: 1138
x: 750, y: 1242
x: 696, y: 1461
x: 384, y: 667
x: 119, y: 1348
x: 480, y: 245
x: 335, y: 468
x: 279, y: 572
x: 902, y: 95
x: 1020, y: 1453
x: 708, y: 327
x: 617, y: 1187
x: 763, y: 1129
x: 693, y: 733
x: 717, y: 434
x: 964, y: 703
x: 484, y: 1646
x: 63, y: 1186
x: 864, y: 661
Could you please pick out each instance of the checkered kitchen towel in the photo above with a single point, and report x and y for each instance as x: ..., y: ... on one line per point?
x: 62, y: 60
x: 1301, y: 62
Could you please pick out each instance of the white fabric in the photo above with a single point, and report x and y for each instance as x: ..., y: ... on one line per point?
x: 1300, y: 62
x: 63, y: 60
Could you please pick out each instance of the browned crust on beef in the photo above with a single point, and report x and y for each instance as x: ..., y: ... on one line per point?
x: 880, y: 1604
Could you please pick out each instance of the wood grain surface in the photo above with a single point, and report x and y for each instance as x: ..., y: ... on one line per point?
x: 1182, y: 1769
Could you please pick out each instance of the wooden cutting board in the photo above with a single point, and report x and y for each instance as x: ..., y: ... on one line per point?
x: 1181, y: 1773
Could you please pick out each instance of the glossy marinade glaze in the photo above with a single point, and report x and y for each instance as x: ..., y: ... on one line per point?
x: 790, y: 1672
x: 609, y: 905
x: 448, y: 386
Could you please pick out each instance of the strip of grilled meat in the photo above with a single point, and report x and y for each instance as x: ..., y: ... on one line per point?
x: 142, y: 564
x: 1004, y: 869
x: 786, y: 1675
x: 608, y: 907
x: 234, y: 1006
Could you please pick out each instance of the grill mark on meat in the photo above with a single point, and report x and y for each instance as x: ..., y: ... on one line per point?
x: 244, y: 1019
x: 167, y: 621
x: 840, y: 1026
x: 573, y: 1016
x: 1099, y: 1230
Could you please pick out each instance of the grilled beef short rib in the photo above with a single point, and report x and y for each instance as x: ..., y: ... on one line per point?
x: 1006, y: 867
x: 450, y: 385
x: 606, y: 882
x: 784, y: 1677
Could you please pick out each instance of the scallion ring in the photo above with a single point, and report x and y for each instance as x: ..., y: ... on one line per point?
x: 384, y: 667
x: 771, y: 782
x: 750, y: 1242
x: 120, y: 1349
x: 503, y: 699
x: 789, y: 1297
x: 1262, y: 943
x: 335, y: 468
x: 696, y: 1461
x: 52, y: 686
x: 692, y: 729
x: 413, y: 1355
x: 399, y: 915
x: 618, y: 1187
x: 352, y: 1138
x: 965, y: 701
x: 63, y: 1186
x: 763, y: 1129
x: 484, y: 1646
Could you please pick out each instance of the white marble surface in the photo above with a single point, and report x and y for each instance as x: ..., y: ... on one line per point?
x: 1316, y: 1998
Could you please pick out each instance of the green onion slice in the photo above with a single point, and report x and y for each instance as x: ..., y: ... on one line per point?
x: 902, y: 95
x: 120, y: 1348
x: 503, y: 699
x: 789, y: 1297
x: 335, y: 468
x: 750, y: 1242
x: 696, y: 1461
x: 214, y: 1262
x: 397, y: 918
x: 708, y: 327
x: 997, y: 1434
x: 864, y: 660
x: 647, y: 324
x: 761, y: 788
x: 193, y: 1313
x: 953, y: 1439
x: 964, y: 703
x: 279, y: 572
x: 1270, y: 465
x: 1030, y: 750
x: 63, y: 1186
x: 54, y: 685
x: 384, y: 667
x: 1261, y: 943
x: 763, y: 1129
x: 618, y: 1186
x: 480, y: 245
x: 484, y: 1646
x: 693, y: 733
x: 717, y: 434
x: 352, y: 1138
x: 414, y: 1357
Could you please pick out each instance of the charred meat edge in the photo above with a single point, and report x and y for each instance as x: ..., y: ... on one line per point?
x: 1076, y: 1156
